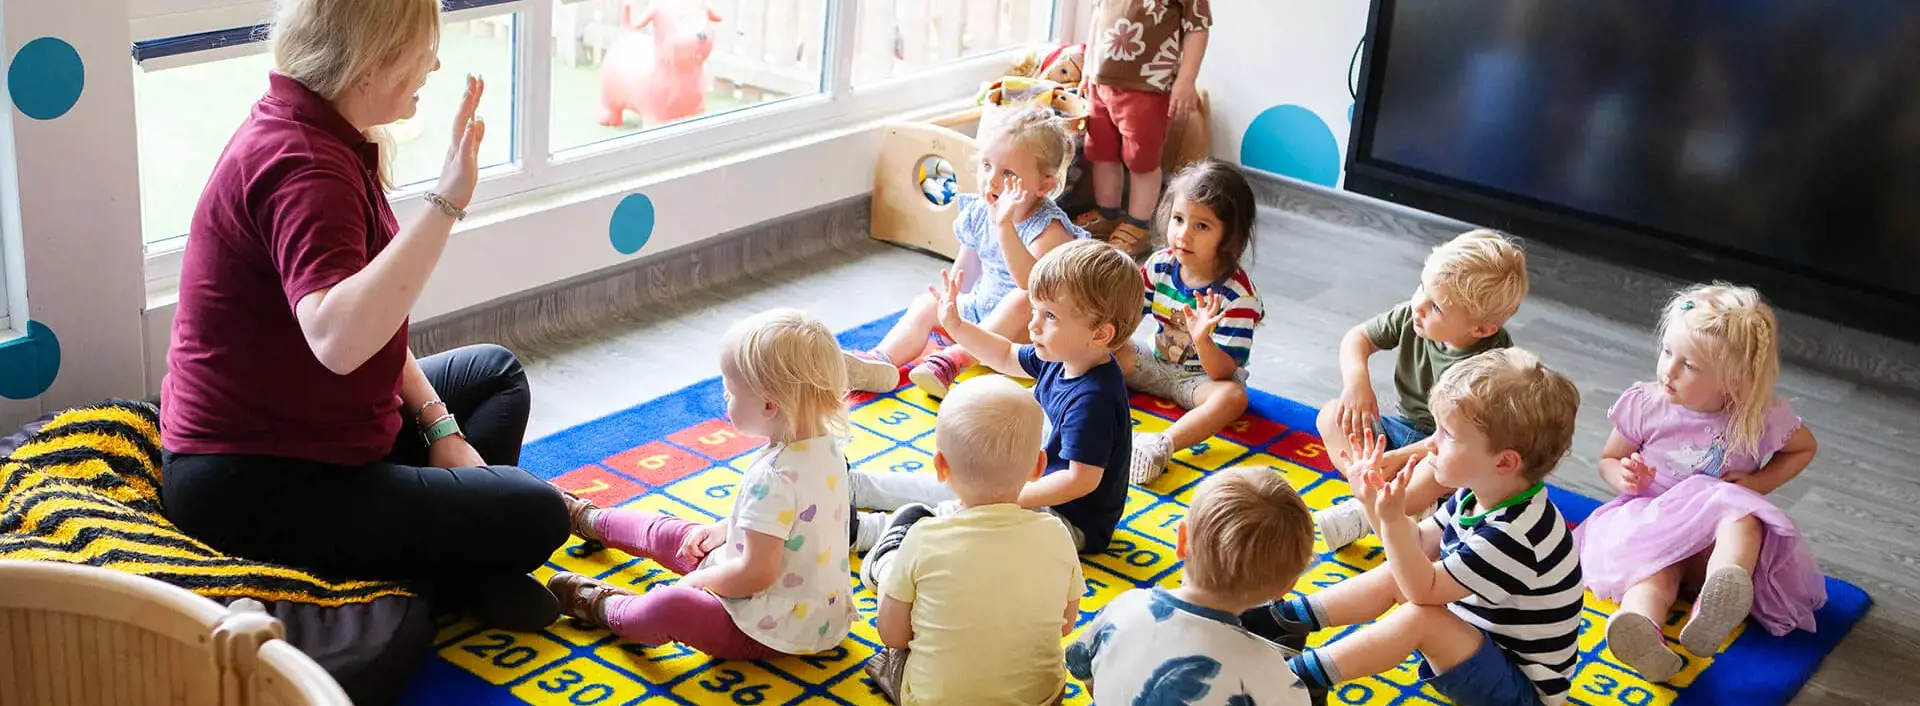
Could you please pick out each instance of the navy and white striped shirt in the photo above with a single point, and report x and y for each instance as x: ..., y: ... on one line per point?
x: 1523, y: 570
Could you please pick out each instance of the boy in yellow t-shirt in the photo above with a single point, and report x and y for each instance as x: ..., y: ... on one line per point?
x: 973, y: 603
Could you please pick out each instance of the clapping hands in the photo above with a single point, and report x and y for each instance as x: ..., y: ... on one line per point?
x: 1382, y: 493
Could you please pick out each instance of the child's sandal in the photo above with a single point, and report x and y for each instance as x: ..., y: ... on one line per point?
x: 1131, y: 239
x: 583, y: 598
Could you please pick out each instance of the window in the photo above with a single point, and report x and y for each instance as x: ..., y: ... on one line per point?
x: 777, y: 69
x: 902, y: 37
x: 757, y: 52
x: 185, y: 114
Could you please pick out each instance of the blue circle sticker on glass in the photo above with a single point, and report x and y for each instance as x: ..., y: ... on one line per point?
x: 1290, y: 140
x: 28, y: 365
x: 632, y: 224
x: 45, y: 78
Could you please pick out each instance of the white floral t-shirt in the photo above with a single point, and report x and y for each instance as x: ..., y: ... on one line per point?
x: 796, y: 492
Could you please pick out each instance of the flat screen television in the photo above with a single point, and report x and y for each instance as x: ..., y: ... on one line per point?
x: 1774, y: 143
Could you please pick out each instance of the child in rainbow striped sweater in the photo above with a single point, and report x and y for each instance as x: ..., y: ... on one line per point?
x: 1206, y: 308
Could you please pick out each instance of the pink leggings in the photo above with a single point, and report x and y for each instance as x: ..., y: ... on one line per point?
x: 670, y: 613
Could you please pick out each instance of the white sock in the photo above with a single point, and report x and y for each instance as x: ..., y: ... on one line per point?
x: 872, y: 525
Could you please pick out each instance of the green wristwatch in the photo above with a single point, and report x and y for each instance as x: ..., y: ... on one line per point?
x: 440, y: 428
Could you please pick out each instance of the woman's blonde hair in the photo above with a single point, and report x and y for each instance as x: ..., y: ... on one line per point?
x: 1040, y: 133
x: 789, y: 357
x: 1736, y: 332
x: 328, y: 45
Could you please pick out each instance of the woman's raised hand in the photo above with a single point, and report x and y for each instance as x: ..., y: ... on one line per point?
x: 462, y: 169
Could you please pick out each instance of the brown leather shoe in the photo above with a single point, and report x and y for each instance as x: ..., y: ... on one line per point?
x: 1094, y: 225
x: 1131, y: 239
x: 578, y: 508
x: 581, y: 597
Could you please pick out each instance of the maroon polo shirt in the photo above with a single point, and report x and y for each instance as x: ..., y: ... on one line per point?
x: 294, y: 206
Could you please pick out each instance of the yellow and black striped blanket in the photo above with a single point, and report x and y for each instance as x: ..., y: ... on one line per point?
x: 85, y: 489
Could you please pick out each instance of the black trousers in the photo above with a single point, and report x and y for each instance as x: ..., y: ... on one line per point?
x: 441, y: 529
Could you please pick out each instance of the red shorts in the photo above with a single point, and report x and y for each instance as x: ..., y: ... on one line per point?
x: 1127, y: 125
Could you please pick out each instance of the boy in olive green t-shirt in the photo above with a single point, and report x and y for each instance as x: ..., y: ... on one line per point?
x: 1469, y: 288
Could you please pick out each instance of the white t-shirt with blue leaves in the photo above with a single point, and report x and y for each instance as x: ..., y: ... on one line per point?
x: 1148, y: 646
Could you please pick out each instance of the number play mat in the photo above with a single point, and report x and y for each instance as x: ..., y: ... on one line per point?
x: 678, y: 455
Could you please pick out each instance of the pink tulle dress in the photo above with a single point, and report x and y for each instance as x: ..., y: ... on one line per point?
x: 1633, y: 536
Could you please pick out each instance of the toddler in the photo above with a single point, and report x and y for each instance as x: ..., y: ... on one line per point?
x: 1006, y: 228
x: 1141, y: 68
x: 1693, y: 456
x: 973, y: 604
x: 1246, y: 538
x: 1086, y: 302
x: 1488, y: 588
x: 771, y: 578
x: 1205, y: 309
x: 1469, y: 288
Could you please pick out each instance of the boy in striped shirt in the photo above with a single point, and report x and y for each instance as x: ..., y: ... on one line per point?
x: 1490, y: 586
x: 1204, y: 308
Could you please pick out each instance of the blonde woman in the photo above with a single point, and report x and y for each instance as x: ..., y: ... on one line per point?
x: 298, y: 427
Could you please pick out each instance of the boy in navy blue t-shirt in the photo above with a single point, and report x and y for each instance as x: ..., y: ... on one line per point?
x: 1085, y: 297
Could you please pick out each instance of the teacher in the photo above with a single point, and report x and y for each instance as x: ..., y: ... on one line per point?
x: 298, y: 427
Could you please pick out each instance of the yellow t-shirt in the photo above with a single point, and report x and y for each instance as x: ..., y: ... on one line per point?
x: 989, y: 587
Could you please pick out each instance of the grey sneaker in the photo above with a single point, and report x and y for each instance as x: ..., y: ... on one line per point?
x: 897, y: 526
x: 870, y: 372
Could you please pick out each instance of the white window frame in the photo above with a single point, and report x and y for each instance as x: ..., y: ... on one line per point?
x: 534, y: 171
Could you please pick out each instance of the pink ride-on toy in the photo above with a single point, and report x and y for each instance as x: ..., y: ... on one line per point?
x: 661, y: 77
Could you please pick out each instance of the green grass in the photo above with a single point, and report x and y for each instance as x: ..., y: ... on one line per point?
x: 185, y: 117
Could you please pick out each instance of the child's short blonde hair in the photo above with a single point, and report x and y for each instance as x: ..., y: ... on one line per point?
x: 989, y: 430
x: 789, y: 357
x: 1248, y: 534
x: 1037, y: 131
x: 1097, y: 280
x: 1517, y: 401
x: 1737, y: 333
x: 1484, y: 273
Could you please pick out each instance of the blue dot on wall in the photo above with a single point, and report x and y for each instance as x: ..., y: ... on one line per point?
x: 29, y: 364
x: 632, y: 224
x: 45, y: 78
x: 1292, y: 141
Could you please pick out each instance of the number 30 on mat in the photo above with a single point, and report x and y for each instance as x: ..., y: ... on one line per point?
x: 579, y: 681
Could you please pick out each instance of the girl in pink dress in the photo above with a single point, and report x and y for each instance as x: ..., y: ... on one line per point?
x: 1693, y: 456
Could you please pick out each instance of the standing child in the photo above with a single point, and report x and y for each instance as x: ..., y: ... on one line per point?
x: 1246, y: 539
x: 1469, y: 288
x: 1086, y: 302
x: 973, y: 603
x: 1140, y: 76
x: 1693, y: 456
x: 1006, y: 228
x: 771, y: 578
x: 1489, y: 588
x: 1205, y: 308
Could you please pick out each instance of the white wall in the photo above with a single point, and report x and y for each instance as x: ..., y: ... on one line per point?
x: 78, y: 215
x: 1276, y: 75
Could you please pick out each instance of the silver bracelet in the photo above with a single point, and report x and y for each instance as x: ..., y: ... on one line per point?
x: 441, y: 203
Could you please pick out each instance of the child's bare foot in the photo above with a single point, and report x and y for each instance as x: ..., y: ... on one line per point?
x: 1636, y: 640
x: 584, y: 598
x: 1726, y: 599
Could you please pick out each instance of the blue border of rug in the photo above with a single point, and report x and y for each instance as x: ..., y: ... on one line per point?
x: 1790, y: 661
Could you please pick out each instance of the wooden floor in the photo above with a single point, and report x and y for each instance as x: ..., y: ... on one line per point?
x: 1319, y: 276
